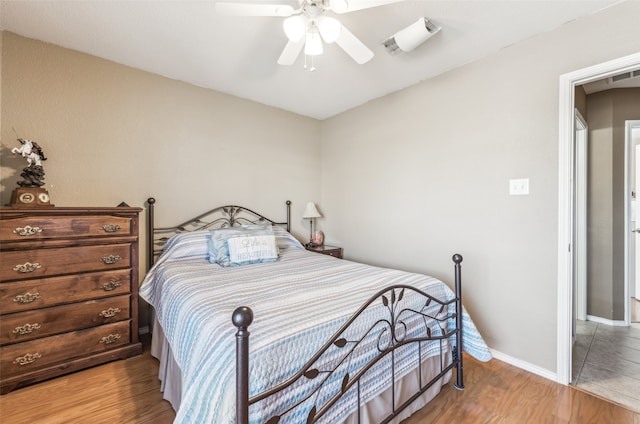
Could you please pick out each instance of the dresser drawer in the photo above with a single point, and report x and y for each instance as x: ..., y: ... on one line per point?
x: 30, y: 356
x: 31, y: 294
x: 48, y: 227
x: 20, y: 265
x: 23, y: 326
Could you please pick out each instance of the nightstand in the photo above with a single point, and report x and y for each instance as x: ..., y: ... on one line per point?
x: 334, y: 251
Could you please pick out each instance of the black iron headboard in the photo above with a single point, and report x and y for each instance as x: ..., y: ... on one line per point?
x: 220, y: 217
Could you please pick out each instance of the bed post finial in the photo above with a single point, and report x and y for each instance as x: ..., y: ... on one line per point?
x: 457, y: 259
x: 242, y: 318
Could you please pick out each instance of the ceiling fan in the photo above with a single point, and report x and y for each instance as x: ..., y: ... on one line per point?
x: 307, y: 26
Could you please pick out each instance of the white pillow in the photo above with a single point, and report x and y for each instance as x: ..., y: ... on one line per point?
x: 250, y: 249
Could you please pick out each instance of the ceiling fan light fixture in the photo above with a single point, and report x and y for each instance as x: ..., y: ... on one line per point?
x: 339, y: 5
x: 313, y: 42
x: 329, y: 28
x: 294, y: 28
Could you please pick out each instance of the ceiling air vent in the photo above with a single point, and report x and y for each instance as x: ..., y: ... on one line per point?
x: 621, y: 77
x: 624, y: 76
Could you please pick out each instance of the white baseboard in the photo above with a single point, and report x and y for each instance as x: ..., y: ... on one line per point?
x: 609, y: 322
x: 143, y: 330
x: 542, y: 372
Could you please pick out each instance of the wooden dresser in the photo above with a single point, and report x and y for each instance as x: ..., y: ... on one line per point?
x: 68, y: 290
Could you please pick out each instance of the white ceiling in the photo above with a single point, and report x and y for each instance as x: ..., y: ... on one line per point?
x: 187, y: 40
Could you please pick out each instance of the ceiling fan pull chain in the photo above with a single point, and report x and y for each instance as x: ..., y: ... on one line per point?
x: 312, y: 68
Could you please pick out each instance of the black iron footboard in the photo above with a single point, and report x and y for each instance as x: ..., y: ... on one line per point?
x: 410, y: 319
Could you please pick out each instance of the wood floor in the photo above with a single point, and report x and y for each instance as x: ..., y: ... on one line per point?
x: 127, y: 391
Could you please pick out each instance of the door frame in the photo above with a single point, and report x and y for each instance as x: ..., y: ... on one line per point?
x: 566, y: 157
x: 629, y: 240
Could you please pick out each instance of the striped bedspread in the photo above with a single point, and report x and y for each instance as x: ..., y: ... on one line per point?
x: 298, y: 303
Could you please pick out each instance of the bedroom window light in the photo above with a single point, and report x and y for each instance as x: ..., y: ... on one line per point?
x: 311, y: 213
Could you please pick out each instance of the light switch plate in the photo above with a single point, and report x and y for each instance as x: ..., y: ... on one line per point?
x: 519, y: 187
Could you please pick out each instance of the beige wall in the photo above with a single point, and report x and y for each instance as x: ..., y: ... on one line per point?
x: 600, y: 208
x: 607, y: 113
x: 113, y: 133
x: 580, y: 99
x: 411, y: 178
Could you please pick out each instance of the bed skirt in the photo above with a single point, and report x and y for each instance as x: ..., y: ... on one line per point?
x: 370, y: 413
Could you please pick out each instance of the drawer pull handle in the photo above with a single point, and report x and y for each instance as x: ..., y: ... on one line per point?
x: 26, y: 298
x: 110, y: 260
x: 27, y: 359
x: 111, y: 285
x: 27, y: 231
x: 111, y: 312
x: 111, y: 228
x: 111, y: 338
x: 26, y: 329
x: 26, y: 267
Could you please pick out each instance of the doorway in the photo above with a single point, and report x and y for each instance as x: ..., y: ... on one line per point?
x: 566, y: 201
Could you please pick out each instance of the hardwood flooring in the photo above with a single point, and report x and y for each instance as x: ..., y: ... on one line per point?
x: 606, y: 362
x: 127, y: 391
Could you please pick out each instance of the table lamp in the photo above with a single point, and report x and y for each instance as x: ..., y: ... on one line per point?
x: 311, y: 213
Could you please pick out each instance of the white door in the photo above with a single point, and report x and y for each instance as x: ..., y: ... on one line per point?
x: 580, y: 242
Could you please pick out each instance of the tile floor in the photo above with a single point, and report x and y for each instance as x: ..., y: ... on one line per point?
x: 606, y: 362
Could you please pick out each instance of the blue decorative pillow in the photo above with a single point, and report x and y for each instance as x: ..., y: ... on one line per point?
x: 219, y: 247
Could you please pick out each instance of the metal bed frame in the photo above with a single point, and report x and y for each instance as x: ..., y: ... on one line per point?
x: 220, y: 217
x: 390, y: 330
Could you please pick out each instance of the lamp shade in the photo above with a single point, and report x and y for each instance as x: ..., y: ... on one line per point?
x: 311, y: 211
x: 339, y: 6
x: 294, y: 27
x: 313, y: 42
x: 329, y: 28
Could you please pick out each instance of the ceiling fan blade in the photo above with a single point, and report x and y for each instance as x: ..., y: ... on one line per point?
x: 254, y: 9
x: 291, y: 52
x: 346, y: 6
x: 353, y: 46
